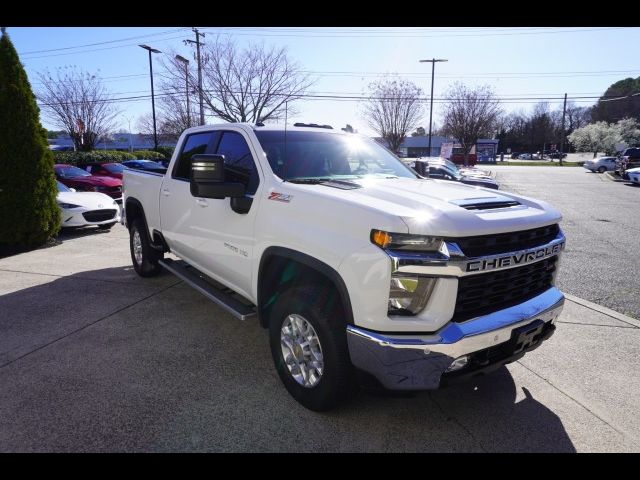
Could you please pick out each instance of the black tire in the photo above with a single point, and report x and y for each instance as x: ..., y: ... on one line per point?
x: 602, y: 169
x: 320, y: 306
x: 106, y: 226
x: 148, y: 266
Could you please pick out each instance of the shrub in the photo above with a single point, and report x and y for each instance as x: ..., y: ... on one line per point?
x: 82, y: 158
x: 166, y: 151
x: 29, y: 213
x: 148, y: 155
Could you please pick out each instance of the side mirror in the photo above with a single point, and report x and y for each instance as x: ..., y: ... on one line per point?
x: 207, y: 178
x: 422, y: 168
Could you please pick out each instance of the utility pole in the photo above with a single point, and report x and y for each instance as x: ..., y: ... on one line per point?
x: 197, y: 42
x: 433, y: 65
x: 564, y: 112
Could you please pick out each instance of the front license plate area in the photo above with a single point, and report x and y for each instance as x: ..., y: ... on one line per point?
x: 527, y: 337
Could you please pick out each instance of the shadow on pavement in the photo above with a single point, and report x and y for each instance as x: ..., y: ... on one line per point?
x: 101, y: 361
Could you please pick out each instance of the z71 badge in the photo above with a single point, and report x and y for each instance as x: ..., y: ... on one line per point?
x: 280, y: 197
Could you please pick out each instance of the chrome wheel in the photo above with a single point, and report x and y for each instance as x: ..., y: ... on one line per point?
x: 301, y: 350
x: 137, y: 247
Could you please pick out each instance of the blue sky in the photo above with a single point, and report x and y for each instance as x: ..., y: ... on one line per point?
x: 522, y: 62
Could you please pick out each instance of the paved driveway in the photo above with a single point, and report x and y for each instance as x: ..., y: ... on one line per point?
x: 602, y: 224
x: 93, y: 358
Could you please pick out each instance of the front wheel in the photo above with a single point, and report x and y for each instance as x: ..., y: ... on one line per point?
x: 144, y: 257
x: 309, y: 346
x: 602, y: 170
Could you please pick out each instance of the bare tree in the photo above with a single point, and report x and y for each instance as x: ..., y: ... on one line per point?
x: 78, y: 103
x: 167, y: 130
x: 469, y: 114
x: 393, y: 109
x: 253, y: 84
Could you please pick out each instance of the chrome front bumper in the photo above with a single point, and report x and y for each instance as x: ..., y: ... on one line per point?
x: 417, y: 362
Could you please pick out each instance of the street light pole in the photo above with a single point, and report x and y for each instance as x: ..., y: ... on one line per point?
x: 153, y: 101
x: 186, y: 76
x: 433, y: 64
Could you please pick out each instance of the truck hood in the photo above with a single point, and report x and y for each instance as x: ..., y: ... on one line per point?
x: 442, y: 208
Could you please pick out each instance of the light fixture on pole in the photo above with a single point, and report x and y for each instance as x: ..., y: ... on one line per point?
x: 183, y: 60
x: 153, y: 101
x: 433, y: 64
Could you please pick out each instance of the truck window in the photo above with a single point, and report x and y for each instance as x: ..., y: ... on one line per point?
x: 194, y: 144
x: 239, y: 165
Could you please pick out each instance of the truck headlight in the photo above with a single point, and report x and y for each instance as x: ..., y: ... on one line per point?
x: 406, y: 241
x: 409, y: 294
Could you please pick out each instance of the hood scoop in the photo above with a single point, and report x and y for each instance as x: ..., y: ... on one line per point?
x: 485, y: 203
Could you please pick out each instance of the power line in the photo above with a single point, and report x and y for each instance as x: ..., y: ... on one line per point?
x: 105, y: 42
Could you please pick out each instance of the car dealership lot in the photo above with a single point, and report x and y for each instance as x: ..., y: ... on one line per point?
x: 94, y: 358
x: 600, y: 219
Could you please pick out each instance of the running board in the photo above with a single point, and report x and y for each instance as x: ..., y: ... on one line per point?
x: 195, y: 279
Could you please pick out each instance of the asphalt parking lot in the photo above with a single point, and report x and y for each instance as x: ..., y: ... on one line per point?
x: 602, y: 225
x: 94, y: 358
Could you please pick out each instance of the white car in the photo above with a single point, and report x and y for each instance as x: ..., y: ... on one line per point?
x: 601, y: 164
x: 634, y: 175
x: 80, y: 209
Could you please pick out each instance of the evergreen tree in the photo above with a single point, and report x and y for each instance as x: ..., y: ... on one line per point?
x: 29, y: 214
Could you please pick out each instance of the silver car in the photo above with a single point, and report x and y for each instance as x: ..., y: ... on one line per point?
x: 601, y: 164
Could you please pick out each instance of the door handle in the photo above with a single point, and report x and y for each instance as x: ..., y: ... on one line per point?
x: 166, y: 192
x: 202, y: 202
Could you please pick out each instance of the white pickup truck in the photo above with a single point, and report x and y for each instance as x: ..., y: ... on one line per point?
x: 362, y: 270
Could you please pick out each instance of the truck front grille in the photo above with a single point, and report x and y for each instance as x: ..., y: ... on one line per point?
x: 489, y: 292
x: 506, y: 242
x: 99, y: 215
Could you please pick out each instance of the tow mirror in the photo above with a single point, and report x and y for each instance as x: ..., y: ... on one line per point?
x: 208, y: 181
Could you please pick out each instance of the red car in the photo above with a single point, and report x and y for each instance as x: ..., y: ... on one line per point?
x: 83, y: 181
x: 105, y: 169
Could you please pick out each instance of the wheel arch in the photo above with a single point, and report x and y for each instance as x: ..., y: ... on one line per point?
x: 280, y: 266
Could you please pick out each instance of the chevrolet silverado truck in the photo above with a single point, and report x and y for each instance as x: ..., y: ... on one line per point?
x: 361, y: 270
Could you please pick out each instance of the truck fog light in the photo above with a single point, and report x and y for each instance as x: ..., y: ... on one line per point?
x: 458, y: 363
x: 408, y: 295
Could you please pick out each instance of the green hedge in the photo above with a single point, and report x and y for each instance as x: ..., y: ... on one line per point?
x: 166, y: 151
x: 81, y: 158
x: 148, y: 155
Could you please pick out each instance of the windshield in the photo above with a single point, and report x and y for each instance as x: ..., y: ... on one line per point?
x: 62, y: 187
x: 113, y: 167
x: 70, y: 172
x: 328, y: 156
x: 451, y: 171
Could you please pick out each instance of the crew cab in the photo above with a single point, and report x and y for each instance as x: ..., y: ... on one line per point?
x: 360, y: 269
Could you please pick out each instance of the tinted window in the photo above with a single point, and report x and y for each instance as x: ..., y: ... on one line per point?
x: 238, y: 162
x: 193, y: 145
x: 61, y: 187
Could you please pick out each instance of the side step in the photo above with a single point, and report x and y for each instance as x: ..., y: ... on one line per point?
x: 197, y: 280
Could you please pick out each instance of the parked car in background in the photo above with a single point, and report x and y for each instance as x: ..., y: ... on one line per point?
x: 528, y: 156
x: 105, y: 169
x: 146, y: 165
x: 443, y: 172
x: 464, y: 171
x: 554, y: 154
x: 601, y: 164
x: 81, y: 209
x: 629, y: 159
x: 634, y: 175
x: 83, y: 181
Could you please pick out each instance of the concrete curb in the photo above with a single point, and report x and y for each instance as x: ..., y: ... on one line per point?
x: 604, y: 310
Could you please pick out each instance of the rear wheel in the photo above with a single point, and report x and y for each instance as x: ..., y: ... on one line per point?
x: 309, y: 346
x: 144, y: 257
